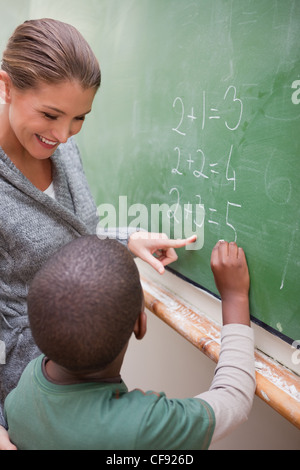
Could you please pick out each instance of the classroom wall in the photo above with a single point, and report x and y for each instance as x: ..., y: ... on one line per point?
x: 159, y: 362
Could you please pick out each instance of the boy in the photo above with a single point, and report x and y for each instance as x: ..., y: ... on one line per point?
x: 83, y: 306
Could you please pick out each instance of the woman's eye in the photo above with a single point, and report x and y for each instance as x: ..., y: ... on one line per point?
x: 53, y: 117
x: 50, y: 116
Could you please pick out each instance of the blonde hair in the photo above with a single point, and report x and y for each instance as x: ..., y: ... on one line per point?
x: 49, y: 51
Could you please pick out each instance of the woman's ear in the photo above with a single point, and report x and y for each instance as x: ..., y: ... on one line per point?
x: 140, y: 327
x: 5, y: 87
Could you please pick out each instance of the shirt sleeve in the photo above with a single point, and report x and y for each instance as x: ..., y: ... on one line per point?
x: 232, y: 390
x: 173, y: 424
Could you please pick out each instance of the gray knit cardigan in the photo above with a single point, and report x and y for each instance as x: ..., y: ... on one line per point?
x: 32, y: 227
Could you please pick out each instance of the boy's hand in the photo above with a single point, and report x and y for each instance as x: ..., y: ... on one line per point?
x: 156, y: 248
x: 5, y: 443
x: 229, y: 266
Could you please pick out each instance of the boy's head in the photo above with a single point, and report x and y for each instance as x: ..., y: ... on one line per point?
x: 84, y: 302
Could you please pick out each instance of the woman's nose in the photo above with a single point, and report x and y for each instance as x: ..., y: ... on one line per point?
x: 62, y: 133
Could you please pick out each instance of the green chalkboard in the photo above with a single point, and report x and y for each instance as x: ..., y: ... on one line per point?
x: 200, y: 107
x: 201, y: 104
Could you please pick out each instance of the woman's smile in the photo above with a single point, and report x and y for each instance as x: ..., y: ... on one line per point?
x: 40, y: 119
x: 46, y: 143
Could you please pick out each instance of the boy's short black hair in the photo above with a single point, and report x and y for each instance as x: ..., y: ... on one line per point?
x: 84, y: 302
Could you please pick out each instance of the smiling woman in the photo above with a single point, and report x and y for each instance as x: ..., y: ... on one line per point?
x: 30, y: 135
x: 49, y: 89
x: 31, y: 123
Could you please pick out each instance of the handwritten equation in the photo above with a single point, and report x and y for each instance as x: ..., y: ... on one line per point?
x: 197, y: 164
x: 209, y: 113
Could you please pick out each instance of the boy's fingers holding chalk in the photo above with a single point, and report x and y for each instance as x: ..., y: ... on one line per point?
x: 227, y: 249
x: 224, y: 252
x: 229, y: 266
x: 215, y: 255
x: 233, y: 249
x: 241, y: 254
x: 219, y: 251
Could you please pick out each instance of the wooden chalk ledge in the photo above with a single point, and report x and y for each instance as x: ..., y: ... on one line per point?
x: 276, y: 385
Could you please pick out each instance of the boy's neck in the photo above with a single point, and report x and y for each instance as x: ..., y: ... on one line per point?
x: 60, y: 376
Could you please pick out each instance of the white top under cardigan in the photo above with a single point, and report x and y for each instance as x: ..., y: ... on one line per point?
x: 50, y: 191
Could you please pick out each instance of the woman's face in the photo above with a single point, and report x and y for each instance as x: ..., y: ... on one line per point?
x: 45, y: 117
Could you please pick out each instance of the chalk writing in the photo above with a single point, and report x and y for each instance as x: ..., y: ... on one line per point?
x: 176, y: 129
x: 290, y: 250
x: 202, y: 166
x: 239, y: 107
x: 227, y: 170
x: 172, y: 212
x: 231, y: 204
x: 230, y: 98
x: 278, y: 189
x: 199, y: 173
x: 175, y: 170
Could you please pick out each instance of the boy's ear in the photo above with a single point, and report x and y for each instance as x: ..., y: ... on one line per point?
x: 140, y: 327
x: 5, y: 87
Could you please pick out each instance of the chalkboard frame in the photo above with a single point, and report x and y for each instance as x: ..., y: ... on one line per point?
x: 252, y: 317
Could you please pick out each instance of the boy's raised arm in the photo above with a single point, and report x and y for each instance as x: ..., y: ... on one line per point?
x: 232, y: 390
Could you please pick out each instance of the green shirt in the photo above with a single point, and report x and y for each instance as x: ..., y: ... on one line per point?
x: 42, y: 415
